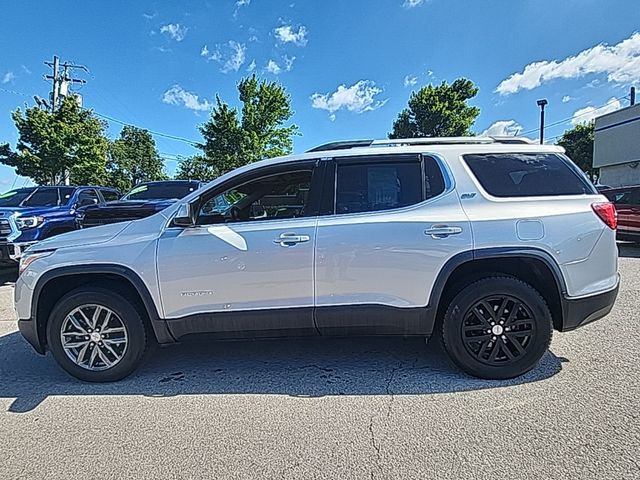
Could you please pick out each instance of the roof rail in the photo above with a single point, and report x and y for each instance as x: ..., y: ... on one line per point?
x: 344, y: 145
x: 341, y: 145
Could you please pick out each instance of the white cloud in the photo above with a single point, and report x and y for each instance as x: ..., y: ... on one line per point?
x: 288, y: 63
x: 150, y: 16
x: 231, y: 55
x: 587, y: 114
x: 410, y: 80
x: 175, y: 31
x: 252, y: 66
x: 275, y: 68
x: 621, y: 63
x: 287, y: 34
x: 358, y: 98
x: 412, y: 3
x: 503, y: 128
x: 8, y: 77
x: 177, y: 95
x: 567, y: 99
x: 239, y: 5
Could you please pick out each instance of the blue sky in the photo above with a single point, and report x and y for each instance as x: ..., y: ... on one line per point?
x: 349, y: 66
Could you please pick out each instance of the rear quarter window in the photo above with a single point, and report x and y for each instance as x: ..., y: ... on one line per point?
x: 528, y: 175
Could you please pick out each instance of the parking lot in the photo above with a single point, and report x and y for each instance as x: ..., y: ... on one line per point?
x: 343, y: 408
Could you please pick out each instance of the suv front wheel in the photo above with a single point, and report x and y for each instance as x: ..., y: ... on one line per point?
x: 96, y: 335
x: 497, y: 328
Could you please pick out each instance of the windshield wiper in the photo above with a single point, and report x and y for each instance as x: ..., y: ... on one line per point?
x: 21, y: 204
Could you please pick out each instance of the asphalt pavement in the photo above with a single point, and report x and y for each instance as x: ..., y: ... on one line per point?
x: 320, y: 408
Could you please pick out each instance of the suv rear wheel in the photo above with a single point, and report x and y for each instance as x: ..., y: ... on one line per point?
x: 497, y: 327
x: 96, y: 335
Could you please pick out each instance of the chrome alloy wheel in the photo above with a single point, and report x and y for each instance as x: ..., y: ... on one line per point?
x: 94, y: 337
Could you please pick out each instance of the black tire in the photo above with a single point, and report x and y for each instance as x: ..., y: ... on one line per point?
x: 128, y: 315
x: 471, y: 335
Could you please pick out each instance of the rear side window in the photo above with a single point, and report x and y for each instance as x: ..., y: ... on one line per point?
x: 433, y: 179
x: 528, y: 175
x: 377, y: 186
x: 110, y: 195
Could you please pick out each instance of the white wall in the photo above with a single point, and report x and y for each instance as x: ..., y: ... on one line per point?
x: 620, y: 175
x: 617, y: 138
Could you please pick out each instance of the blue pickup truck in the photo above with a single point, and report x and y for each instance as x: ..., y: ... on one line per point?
x: 28, y: 215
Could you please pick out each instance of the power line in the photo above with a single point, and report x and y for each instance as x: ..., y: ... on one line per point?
x: 561, y: 122
x: 120, y: 122
x: 160, y: 134
x: 6, y: 90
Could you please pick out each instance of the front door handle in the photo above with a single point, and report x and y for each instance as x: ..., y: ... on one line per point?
x: 442, y: 231
x: 291, y: 239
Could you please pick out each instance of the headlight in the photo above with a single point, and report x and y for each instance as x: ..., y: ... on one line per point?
x: 28, y: 258
x: 24, y: 223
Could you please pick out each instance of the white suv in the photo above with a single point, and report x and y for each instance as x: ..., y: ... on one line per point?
x: 488, y: 243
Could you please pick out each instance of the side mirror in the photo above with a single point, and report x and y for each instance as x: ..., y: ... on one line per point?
x: 185, y: 216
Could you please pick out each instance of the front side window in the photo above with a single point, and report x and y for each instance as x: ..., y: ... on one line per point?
x: 528, y: 175
x: 87, y: 197
x: 278, y: 196
x: 371, y: 187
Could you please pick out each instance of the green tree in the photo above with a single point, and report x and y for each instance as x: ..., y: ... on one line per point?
x: 195, y: 168
x: 51, y: 145
x: 438, y: 111
x: 233, y: 139
x: 133, y: 158
x: 578, y: 143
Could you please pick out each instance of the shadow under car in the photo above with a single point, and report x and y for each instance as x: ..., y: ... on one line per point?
x: 299, y: 368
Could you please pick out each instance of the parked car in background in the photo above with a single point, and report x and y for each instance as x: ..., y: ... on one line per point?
x: 627, y: 202
x: 28, y: 215
x: 142, y: 201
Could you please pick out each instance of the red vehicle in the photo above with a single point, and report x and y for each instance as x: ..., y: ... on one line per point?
x: 627, y: 202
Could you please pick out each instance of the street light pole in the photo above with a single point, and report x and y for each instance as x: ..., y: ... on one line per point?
x: 541, y: 104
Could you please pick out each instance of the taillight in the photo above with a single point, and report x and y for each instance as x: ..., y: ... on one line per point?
x: 607, y: 213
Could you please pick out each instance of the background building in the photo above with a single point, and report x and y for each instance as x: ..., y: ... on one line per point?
x: 616, y: 150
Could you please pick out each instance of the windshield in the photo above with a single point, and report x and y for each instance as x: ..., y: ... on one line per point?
x: 160, y: 191
x: 48, y: 197
x: 13, y: 198
x: 36, y: 197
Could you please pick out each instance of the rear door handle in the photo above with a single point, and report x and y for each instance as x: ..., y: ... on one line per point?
x: 291, y: 239
x: 442, y: 231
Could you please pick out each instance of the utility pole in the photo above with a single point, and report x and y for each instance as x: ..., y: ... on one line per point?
x: 62, y: 80
x: 61, y: 88
x: 541, y: 104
